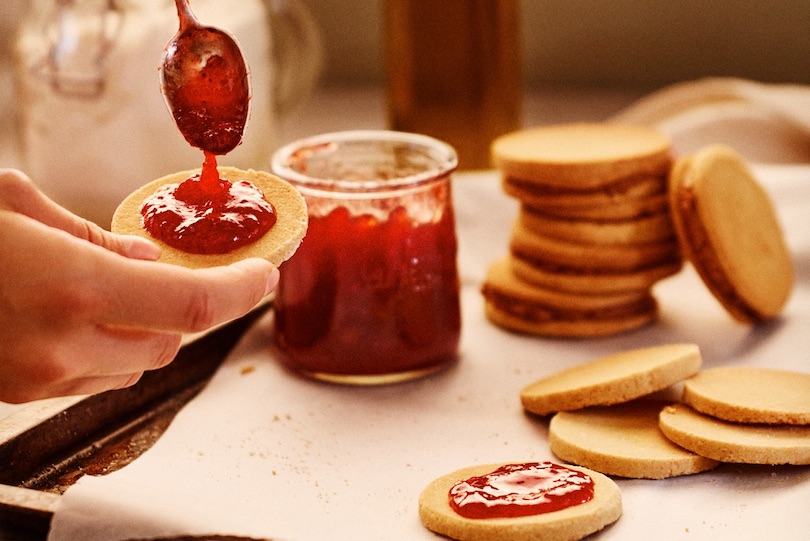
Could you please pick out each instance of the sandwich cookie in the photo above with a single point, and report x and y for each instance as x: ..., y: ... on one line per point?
x: 523, y: 307
x: 612, y: 379
x: 735, y: 442
x: 729, y: 231
x: 622, y: 440
x: 549, y: 197
x: 649, y: 229
x: 565, y: 503
x: 531, y: 246
x: 751, y: 395
x: 582, y: 156
x: 590, y: 282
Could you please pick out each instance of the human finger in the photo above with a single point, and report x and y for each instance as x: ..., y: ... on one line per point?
x: 87, y: 360
x: 19, y: 194
x: 168, y: 297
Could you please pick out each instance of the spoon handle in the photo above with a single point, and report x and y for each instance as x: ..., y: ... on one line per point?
x: 185, y: 14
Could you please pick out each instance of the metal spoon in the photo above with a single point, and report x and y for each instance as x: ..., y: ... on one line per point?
x: 206, y: 84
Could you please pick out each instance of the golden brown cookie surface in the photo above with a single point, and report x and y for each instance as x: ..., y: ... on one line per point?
x: 751, y: 395
x: 581, y: 155
x: 735, y: 442
x: 622, y: 440
x: 612, y: 379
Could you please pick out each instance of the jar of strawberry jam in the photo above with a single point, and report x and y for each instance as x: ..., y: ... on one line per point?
x: 372, y: 294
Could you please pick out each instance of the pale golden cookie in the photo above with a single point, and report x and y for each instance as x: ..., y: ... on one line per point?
x: 649, y: 229
x: 751, y: 395
x: 729, y: 230
x: 277, y: 245
x: 591, y: 282
x: 581, y: 155
x: 529, y: 245
x: 523, y: 307
x: 612, y: 379
x: 619, y: 209
x: 622, y: 440
x: 568, y: 524
x: 735, y: 442
x: 539, y: 195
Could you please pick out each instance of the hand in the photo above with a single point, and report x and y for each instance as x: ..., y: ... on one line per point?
x: 83, y: 310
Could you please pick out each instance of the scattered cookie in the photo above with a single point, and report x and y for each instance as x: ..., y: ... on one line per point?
x: 751, y: 395
x: 612, y: 379
x: 277, y: 245
x: 735, y: 442
x: 570, y: 523
x: 729, y: 230
x: 622, y: 440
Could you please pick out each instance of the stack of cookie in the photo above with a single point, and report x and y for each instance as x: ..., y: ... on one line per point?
x: 594, y: 232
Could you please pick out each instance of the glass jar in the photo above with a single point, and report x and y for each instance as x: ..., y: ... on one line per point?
x: 93, y: 125
x: 372, y: 294
x: 454, y: 72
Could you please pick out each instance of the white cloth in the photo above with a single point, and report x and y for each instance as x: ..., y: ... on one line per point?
x: 767, y: 123
x: 264, y: 453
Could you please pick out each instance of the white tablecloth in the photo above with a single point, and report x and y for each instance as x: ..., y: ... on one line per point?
x: 265, y: 453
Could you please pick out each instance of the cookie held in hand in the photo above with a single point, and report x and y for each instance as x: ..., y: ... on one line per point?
x: 276, y: 245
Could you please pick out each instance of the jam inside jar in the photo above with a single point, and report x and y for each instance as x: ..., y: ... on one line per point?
x: 372, y: 294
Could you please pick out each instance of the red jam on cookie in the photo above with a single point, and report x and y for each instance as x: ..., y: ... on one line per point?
x: 206, y: 214
x: 519, y: 490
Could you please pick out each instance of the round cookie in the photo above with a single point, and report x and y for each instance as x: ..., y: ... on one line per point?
x: 277, y: 245
x: 735, y: 442
x: 541, y: 196
x: 591, y: 282
x: 622, y: 209
x: 568, y: 524
x: 622, y: 440
x: 523, y: 307
x: 649, y: 229
x: 751, y: 395
x: 612, y: 379
x: 729, y: 230
x: 581, y: 155
x: 529, y: 245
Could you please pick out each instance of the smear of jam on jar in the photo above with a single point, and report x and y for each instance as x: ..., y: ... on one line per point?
x: 519, y: 490
x: 206, y: 214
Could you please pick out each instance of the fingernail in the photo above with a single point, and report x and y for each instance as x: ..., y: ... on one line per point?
x: 272, y: 282
x: 139, y: 248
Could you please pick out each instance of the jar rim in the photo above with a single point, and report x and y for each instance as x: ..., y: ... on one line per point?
x: 444, y: 159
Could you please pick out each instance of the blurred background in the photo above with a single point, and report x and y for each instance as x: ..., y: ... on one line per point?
x: 573, y: 60
x: 645, y: 43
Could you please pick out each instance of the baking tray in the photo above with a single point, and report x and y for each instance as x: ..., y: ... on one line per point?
x: 46, y: 448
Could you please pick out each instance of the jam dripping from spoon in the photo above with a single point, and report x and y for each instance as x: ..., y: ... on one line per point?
x: 205, y: 83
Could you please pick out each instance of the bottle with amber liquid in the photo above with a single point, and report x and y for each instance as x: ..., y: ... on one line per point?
x: 453, y: 72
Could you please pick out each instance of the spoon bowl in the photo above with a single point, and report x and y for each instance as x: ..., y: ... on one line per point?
x: 205, y: 82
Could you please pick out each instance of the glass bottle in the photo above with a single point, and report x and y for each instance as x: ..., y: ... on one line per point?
x: 453, y: 72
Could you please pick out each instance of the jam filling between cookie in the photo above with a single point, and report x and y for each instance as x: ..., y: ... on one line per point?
x: 206, y: 214
x: 519, y: 490
x: 534, y: 311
